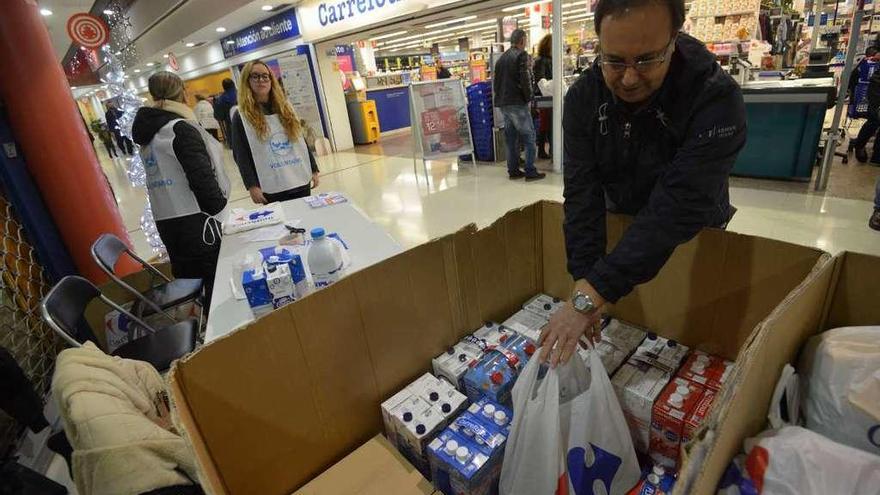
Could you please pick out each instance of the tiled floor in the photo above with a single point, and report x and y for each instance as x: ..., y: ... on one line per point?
x: 416, y: 204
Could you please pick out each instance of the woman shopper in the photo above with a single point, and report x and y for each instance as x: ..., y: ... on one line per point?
x: 267, y: 140
x: 205, y: 113
x: 543, y: 69
x: 186, y: 183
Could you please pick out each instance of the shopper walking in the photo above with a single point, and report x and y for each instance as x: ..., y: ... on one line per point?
x: 205, y: 114
x: 223, y: 105
x: 107, y: 140
x: 543, y: 69
x: 872, y: 124
x: 186, y: 183
x: 268, y: 140
x: 512, y: 89
x: 442, y: 72
x: 652, y: 130
x: 112, y: 117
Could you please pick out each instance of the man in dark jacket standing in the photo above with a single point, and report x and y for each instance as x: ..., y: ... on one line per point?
x: 651, y: 130
x: 112, y: 117
x: 512, y: 87
x: 222, y: 105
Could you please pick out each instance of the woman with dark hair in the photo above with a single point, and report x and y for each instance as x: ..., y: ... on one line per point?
x: 543, y: 69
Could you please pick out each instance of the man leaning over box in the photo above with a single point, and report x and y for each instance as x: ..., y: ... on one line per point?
x: 652, y: 129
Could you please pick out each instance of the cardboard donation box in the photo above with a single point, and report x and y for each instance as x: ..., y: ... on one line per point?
x: 375, y: 468
x: 273, y: 405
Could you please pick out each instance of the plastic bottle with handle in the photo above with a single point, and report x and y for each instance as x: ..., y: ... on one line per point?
x: 325, y: 259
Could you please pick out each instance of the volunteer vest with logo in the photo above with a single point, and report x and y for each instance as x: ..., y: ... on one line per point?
x: 167, y: 185
x: 281, y: 164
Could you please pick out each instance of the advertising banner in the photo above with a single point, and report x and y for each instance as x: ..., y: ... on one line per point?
x: 440, y: 118
x: 279, y: 27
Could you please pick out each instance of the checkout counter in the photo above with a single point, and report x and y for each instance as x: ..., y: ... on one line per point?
x: 785, y: 120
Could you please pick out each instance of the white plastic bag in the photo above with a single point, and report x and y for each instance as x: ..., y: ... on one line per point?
x: 797, y: 461
x: 600, y: 448
x: 534, y: 456
x: 842, y: 395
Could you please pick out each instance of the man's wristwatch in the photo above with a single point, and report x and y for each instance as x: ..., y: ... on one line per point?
x: 583, y: 303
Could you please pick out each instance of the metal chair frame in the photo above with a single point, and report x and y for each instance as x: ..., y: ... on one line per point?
x: 50, y: 320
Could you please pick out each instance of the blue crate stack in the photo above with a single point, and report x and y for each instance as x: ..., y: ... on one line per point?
x: 858, y: 102
x: 482, y: 120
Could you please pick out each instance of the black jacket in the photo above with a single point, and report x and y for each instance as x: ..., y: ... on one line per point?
x: 874, y: 94
x: 183, y: 236
x: 543, y: 69
x: 244, y: 157
x: 667, y: 164
x: 512, y: 80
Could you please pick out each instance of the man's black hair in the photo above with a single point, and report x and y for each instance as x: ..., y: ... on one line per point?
x: 871, y: 51
x: 517, y: 37
x: 228, y: 84
x: 610, y: 7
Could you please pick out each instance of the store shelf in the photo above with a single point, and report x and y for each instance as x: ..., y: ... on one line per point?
x: 727, y: 14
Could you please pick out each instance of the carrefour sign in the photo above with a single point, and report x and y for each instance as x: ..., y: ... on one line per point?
x: 322, y: 19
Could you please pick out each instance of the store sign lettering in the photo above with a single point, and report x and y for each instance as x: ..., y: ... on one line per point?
x: 279, y: 27
x: 333, y: 12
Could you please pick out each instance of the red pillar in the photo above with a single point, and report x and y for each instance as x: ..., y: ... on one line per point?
x: 48, y: 126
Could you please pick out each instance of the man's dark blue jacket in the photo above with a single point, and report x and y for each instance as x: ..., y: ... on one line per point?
x: 667, y: 164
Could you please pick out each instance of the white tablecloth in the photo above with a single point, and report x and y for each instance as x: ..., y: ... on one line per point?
x: 367, y: 244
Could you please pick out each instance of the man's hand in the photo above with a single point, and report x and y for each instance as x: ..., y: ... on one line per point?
x: 316, y: 179
x: 559, y: 340
x: 257, y: 195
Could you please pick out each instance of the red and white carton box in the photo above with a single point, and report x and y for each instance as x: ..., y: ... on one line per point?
x: 638, y: 385
x: 672, y: 408
x: 696, y: 417
x: 706, y: 369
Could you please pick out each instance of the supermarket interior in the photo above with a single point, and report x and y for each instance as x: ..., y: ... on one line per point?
x: 441, y: 247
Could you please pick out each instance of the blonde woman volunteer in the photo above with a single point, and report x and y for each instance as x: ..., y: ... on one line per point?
x: 267, y: 140
x: 186, y: 182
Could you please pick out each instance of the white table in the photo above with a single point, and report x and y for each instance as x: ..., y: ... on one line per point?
x: 367, y: 244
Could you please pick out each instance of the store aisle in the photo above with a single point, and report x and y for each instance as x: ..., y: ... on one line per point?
x: 415, y: 207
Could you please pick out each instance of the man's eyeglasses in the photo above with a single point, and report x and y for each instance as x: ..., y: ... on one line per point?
x: 261, y: 77
x: 641, y: 66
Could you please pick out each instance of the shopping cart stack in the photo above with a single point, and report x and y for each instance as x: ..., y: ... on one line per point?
x: 858, y: 101
x: 482, y: 120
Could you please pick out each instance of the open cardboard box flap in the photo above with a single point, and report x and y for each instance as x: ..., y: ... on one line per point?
x: 272, y: 405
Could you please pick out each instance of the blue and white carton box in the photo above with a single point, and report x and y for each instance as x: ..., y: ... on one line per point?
x: 492, y: 414
x: 416, y: 430
x: 495, y: 374
x: 257, y: 291
x: 491, y: 335
x: 460, y: 466
x: 440, y: 394
x: 280, y: 284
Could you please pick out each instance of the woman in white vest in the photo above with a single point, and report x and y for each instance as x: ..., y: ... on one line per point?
x: 186, y: 182
x: 267, y: 140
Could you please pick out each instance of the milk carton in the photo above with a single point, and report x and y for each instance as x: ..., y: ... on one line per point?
x: 280, y: 284
x: 492, y: 414
x: 638, y: 385
x: 619, y: 341
x: 706, y: 369
x: 277, y: 256
x: 257, y: 291
x: 672, y: 408
x: 416, y: 429
x: 460, y: 467
x: 697, y: 415
x: 543, y: 305
x: 389, y: 409
x: 495, y: 374
x: 440, y: 394
x: 527, y: 323
x: 452, y: 364
x: 491, y: 335
x: 661, y: 353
